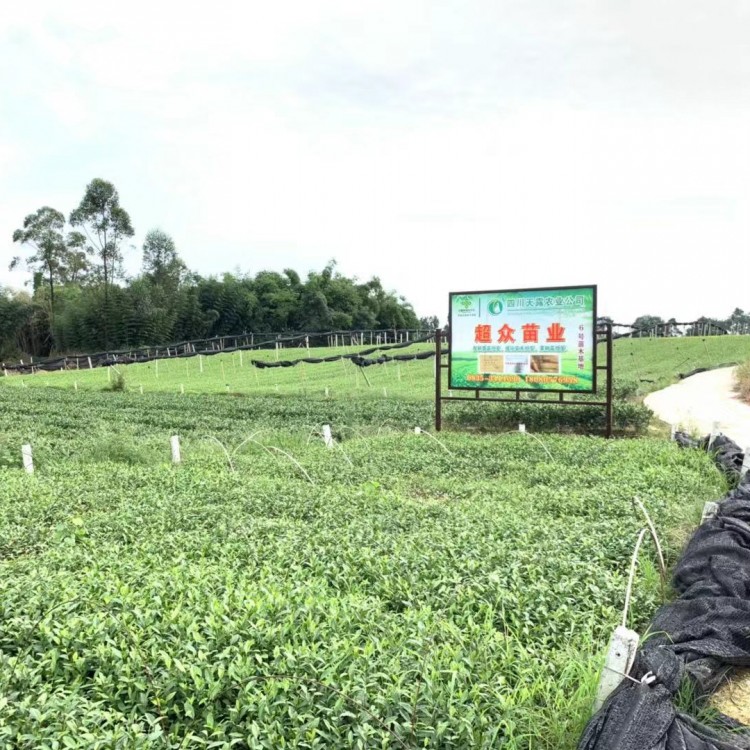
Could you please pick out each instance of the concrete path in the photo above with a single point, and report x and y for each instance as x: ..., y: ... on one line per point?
x: 694, y: 404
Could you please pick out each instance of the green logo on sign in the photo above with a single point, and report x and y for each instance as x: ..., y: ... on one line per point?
x: 495, y: 307
x: 465, y: 301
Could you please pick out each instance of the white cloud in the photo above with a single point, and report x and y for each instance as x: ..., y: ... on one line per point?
x: 437, y: 145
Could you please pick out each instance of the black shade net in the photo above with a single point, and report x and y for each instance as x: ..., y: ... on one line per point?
x: 699, y: 637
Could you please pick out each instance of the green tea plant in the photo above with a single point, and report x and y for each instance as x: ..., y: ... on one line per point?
x: 406, y: 596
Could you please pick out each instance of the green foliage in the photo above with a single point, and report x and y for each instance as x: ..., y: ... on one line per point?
x: 742, y: 376
x: 116, y: 380
x: 656, y: 363
x: 412, y: 597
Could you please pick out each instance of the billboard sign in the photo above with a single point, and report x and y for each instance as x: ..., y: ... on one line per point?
x: 523, y: 339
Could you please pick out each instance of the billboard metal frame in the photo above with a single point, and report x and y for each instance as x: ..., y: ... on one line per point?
x: 603, y: 335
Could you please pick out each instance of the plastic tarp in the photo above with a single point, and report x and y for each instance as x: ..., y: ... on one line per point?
x: 700, y: 636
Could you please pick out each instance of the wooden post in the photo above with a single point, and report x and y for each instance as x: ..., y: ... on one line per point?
x: 438, y: 381
x: 610, y: 368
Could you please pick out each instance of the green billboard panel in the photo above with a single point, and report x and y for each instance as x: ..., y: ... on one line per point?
x: 523, y: 339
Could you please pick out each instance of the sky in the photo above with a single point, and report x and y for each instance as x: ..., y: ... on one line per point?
x: 440, y: 145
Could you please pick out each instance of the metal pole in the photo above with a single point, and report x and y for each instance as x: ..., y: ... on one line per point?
x: 609, y: 381
x: 438, y: 379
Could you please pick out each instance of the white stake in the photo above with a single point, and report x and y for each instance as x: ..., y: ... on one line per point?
x: 521, y: 427
x: 746, y: 462
x: 709, y: 511
x: 715, y: 432
x: 156, y: 362
x: 240, y: 357
x: 5, y: 372
x: 141, y: 390
x: 327, y: 437
x: 28, y: 459
x: 385, y: 392
x: 326, y: 391
x: 75, y: 384
x: 620, y: 656
x: 672, y: 432
x: 175, y: 442
x: 182, y: 389
x: 200, y: 362
x: 90, y: 365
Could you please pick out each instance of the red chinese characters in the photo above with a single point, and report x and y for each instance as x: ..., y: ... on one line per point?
x: 505, y: 335
x: 556, y: 334
x: 530, y: 333
x: 483, y: 334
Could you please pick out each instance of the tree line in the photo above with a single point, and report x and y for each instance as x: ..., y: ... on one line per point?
x: 81, y: 299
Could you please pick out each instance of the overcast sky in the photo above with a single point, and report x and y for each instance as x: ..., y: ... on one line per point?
x: 440, y: 145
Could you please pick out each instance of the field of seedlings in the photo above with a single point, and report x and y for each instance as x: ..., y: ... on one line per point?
x: 395, y: 591
x: 641, y: 366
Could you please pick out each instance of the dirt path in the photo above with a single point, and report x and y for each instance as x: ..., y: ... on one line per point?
x: 697, y: 402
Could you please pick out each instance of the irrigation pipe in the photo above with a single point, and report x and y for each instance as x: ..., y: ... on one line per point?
x: 654, y: 536
x: 223, y: 447
x: 629, y: 589
x: 291, y: 458
x: 420, y: 431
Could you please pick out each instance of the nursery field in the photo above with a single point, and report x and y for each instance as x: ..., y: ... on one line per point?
x: 652, y: 364
x: 641, y: 366
x: 393, y: 592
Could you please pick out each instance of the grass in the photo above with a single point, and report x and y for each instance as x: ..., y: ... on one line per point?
x: 641, y: 366
x: 742, y: 376
x: 652, y: 364
x: 393, y: 592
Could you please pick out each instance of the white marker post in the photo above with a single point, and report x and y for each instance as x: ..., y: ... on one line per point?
x: 75, y: 384
x: 746, y: 462
x: 91, y: 367
x: 141, y: 390
x: 175, y: 443
x: 156, y: 362
x: 200, y: 363
x: 240, y: 357
x: 521, y: 427
x: 710, y: 509
x: 182, y: 389
x: 715, y: 432
x: 28, y: 459
x: 327, y: 436
x: 326, y: 391
x: 620, y: 657
x: 672, y: 432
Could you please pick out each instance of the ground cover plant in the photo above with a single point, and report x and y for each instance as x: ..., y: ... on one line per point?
x: 649, y: 364
x: 396, y: 591
x: 743, y: 381
x: 641, y: 365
